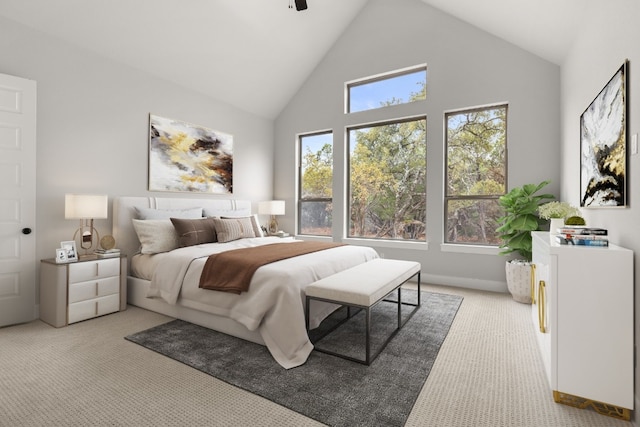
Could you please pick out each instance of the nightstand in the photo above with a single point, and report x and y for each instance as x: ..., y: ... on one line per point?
x: 82, y: 290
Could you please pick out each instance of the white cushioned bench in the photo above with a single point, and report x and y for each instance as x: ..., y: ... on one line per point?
x: 364, y: 286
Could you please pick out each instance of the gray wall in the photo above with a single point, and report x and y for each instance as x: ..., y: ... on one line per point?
x: 92, y: 132
x: 608, y: 36
x: 466, y: 67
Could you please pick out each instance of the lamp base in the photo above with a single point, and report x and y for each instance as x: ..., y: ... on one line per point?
x: 273, y: 225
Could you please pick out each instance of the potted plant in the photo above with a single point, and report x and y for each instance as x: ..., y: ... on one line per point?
x: 557, y: 212
x: 521, y: 218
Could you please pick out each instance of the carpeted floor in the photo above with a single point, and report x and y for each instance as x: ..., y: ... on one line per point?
x: 488, y: 373
x: 332, y: 390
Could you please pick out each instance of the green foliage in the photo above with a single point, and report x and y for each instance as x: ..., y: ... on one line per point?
x: 476, y: 168
x: 575, y: 220
x: 521, y: 218
x: 387, y: 181
x: 317, y: 177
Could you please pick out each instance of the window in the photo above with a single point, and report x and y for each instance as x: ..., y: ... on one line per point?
x: 399, y: 87
x: 316, y: 182
x: 387, y: 180
x: 476, y: 165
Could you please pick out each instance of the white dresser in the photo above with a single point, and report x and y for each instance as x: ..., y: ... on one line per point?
x: 81, y: 290
x: 583, y: 315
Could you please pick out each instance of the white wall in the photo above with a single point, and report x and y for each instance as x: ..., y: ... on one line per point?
x: 466, y: 67
x: 608, y: 36
x: 92, y: 133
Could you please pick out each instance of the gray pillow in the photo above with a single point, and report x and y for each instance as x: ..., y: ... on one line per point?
x: 149, y: 213
x: 233, y: 228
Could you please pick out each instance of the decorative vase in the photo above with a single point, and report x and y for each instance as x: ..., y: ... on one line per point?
x: 519, y: 280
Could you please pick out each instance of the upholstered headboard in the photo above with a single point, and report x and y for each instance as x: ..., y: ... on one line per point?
x: 124, y: 211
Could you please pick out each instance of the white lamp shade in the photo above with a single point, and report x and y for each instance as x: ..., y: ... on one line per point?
x: 85, y: 206
x: 271, y: 207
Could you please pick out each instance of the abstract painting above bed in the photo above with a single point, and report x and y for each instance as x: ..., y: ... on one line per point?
x: 186, y: 157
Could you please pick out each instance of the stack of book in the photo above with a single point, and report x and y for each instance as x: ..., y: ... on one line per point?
x: 580, y: 235
x: 107, y: 253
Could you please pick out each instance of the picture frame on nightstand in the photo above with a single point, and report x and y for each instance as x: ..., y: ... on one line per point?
x: 70, y: 248
x: 61, y: 255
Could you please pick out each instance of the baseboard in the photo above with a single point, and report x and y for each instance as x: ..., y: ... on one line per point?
x: 465, y: 282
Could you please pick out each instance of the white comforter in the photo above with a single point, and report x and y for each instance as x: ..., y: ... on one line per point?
x: 274, y: 304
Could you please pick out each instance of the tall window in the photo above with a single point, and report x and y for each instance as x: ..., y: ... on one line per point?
x: 476, y: 165
x: 399, y: 87
x: 316, y: 182
x: 387, y: 180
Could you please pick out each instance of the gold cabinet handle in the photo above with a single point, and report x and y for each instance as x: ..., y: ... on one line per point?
x: 533, y: 283
x: 542, y: 309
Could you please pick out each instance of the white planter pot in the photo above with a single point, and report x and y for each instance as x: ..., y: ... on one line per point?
x: 554, y: 224
x: 519, y: 280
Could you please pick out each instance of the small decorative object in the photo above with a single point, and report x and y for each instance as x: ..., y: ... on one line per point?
x: 107, y: 242
x: 61, y: 255
x: 603, y: 145
x: 186, y: 157
x: 556, y: 212
x: 70, y: 249
x: 520, y: 219
x: 575, y: 220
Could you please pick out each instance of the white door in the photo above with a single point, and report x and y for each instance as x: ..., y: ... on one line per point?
x: 17, y: 200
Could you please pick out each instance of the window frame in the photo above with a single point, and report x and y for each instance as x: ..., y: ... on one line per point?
x: 347, y: 183
x: 302, y: 200
x: 378, y: 78
x: 446, y: 197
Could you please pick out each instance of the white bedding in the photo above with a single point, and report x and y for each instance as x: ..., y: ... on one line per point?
x: 274, y: 304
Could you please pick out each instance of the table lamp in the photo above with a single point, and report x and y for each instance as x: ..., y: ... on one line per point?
x: 273, y: 208
x: 86, y: 208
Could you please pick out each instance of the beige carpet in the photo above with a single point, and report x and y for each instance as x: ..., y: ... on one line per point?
x: 488, y: 373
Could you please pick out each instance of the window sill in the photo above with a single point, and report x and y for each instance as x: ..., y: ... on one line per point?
x: 470, y: 249
x: 420, y: 246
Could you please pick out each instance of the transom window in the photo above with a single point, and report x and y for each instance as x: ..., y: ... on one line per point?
x: 399, y: 87
x: 476, y: 174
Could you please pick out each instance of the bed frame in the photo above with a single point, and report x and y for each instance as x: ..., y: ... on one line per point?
x: 128, y: 243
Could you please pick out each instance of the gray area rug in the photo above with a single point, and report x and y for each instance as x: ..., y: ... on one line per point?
x: 329, y: 389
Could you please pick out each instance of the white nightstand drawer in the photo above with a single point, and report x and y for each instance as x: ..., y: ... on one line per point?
x: 93, y: 289
x: 95, y: 307
x: 89, y: 270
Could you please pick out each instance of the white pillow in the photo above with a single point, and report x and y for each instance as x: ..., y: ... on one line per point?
x: 149, y: 213
x: 257, y: 230
x: 156, y: 235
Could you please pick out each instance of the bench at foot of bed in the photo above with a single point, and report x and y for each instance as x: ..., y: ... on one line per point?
x: 364, y: 286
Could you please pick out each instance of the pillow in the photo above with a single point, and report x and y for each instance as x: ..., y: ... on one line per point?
x: 149, y: 213
x: 194, y: 231
x: 233, y: 228
x: 257, y: 230
x: 156, y: 235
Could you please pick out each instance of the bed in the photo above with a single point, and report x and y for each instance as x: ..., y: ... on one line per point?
x: 270, y: 313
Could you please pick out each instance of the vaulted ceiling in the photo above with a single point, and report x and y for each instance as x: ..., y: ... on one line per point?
x: 255, y: 54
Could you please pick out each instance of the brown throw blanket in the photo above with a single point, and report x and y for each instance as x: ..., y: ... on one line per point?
x: 231, y: 271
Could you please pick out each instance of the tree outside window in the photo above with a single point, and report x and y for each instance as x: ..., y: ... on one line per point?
x: 387, y: 180
x: 476, y: 165
x: 316, y: 182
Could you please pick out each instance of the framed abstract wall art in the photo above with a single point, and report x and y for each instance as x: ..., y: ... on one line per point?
x: 603, y: 145
x: 187, y: 157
